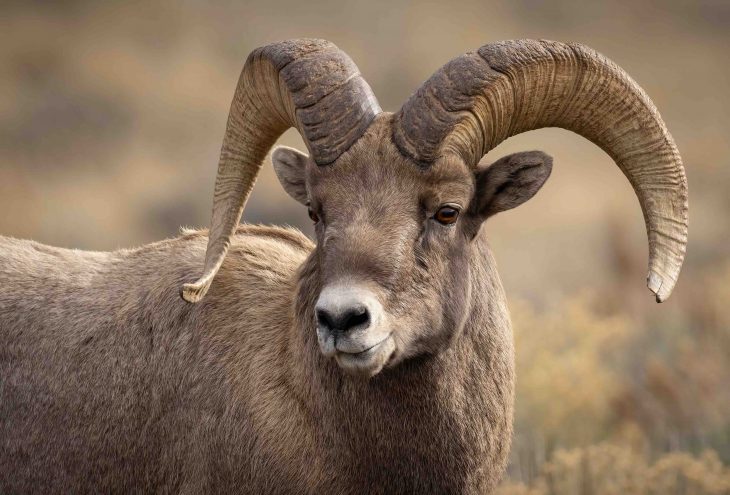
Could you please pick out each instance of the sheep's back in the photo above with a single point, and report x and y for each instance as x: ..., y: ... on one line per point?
x: 109, y: 380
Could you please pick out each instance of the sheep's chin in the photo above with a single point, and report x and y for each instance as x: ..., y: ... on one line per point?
x: 368, y: 363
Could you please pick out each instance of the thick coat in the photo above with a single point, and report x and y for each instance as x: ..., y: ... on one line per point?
x: 108, y: 391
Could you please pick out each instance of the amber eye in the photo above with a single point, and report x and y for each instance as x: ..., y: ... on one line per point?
x: 446, y: 215
x: 313, y: 215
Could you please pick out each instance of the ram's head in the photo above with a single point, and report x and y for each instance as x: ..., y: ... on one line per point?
x: 398, y: 199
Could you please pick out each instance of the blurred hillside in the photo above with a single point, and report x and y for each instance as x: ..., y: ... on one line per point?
x: 112, y: 114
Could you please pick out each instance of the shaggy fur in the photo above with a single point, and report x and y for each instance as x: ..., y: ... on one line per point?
x: 112, y: 383
x: 107, y: 391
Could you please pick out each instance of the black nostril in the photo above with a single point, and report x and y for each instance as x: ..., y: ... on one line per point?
x: 355, y: 317
x: 324, y: 320
x: 345, y: 319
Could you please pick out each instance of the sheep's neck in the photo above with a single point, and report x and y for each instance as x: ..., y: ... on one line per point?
x: 452, y: 410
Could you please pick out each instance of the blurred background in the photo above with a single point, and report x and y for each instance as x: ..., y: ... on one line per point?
x: 111, y: 118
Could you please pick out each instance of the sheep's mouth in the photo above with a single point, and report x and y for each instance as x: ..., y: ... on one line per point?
x: 346, y: 348
x: 368, y: 362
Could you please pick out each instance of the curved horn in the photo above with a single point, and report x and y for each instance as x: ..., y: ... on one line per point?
x: 478, y: 100
x: 308, y: 84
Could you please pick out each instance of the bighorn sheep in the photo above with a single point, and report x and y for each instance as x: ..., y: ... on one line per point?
x: 378, y: 360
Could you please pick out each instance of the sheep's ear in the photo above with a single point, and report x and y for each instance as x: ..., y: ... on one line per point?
x: 510, y: 181
x: 291, y: 166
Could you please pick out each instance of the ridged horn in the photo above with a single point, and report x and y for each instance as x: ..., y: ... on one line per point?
x: 479, y: 99
x: 309, y: 84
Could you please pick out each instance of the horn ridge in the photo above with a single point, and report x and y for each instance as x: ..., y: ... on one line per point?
x: 479, y: 99
x: 308, y: 84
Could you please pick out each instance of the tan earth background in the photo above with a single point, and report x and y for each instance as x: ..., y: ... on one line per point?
x: 111, y: 118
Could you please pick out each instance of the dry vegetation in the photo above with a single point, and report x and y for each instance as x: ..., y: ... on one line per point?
x: 607, y: 469
x: 111, y: 115
x: 611, y: 403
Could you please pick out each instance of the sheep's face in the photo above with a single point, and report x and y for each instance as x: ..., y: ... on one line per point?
x: 395, y: 246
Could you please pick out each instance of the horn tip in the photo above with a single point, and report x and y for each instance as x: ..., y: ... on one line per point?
x: 659, y: 286
x: 194, y: 292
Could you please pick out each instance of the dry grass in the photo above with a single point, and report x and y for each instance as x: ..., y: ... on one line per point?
x: 657, y: 387
x: 607, y: 469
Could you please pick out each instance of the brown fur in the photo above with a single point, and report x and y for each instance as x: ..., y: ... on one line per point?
x: 112, y: 383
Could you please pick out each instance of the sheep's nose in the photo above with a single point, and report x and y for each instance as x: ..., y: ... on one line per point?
x: 349, y: 319
x: 340, y: 319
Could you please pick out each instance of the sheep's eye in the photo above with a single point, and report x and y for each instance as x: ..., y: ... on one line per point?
x: 313, y: 215
x: 446, y: 215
